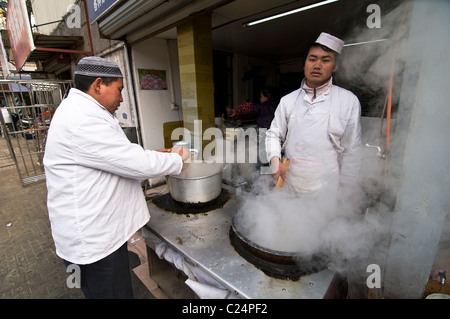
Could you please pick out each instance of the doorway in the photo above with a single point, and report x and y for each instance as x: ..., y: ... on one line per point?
x: 223, y: 82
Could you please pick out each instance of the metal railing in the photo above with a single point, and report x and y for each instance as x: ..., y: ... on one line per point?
x: 30, y: 105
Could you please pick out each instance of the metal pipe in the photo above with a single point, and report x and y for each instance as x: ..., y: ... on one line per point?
x: 88, y: 25
x: 64, y: 50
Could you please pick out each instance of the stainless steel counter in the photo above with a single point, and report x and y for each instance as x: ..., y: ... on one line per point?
x: 203, y: 240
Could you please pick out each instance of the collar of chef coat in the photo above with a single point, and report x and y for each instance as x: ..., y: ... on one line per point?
x: 74, y: 91
x: 321, y: 91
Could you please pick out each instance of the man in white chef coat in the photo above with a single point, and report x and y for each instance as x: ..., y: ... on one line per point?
x: 317, y: 127
x: 93, y: 175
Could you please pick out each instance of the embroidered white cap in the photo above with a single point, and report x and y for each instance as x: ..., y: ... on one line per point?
x: 331, y: 42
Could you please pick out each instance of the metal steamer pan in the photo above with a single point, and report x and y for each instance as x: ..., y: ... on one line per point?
x: 275, y: 263
x: 197, y: 183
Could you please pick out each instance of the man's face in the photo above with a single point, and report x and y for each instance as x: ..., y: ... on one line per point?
x: 319, y: 66
x: 111, y: 96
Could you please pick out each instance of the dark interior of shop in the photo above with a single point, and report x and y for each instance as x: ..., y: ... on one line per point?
x: 363, y: 68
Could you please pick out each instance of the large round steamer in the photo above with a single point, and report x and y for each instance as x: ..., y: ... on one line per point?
x: 275, y: 263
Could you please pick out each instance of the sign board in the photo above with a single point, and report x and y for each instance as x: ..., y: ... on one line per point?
x: 96, y: 8
x: 4, y: 60
x: 19, y: 32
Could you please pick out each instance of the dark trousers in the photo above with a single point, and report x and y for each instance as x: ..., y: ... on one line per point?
x: 108, y: 278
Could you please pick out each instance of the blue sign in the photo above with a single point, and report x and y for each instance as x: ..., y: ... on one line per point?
x: 97, y: 7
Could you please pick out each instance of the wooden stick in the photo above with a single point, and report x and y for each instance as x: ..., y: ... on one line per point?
x: 280, y: 180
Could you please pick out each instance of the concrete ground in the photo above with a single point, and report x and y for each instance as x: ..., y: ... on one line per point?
x: 29, y: 267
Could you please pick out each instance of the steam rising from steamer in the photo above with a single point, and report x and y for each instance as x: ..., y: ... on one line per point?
x: 307, y: 225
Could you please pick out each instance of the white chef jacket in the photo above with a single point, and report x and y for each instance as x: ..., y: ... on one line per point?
x: 342, y: 110
x: 95, y: 199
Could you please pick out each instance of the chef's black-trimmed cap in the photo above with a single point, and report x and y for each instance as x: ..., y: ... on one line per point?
x: 98, y: 67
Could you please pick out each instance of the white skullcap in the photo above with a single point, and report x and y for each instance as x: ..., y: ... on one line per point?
x: 331, y: 42
x: 98, y: 67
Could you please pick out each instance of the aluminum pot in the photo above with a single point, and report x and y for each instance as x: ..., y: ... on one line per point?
x: 197, y: 183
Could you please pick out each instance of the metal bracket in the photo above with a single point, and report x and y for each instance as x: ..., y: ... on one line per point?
x: 379, y: 152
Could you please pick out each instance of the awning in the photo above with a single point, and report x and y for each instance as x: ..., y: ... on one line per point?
x: 137, y: 20
x: 49, y: 58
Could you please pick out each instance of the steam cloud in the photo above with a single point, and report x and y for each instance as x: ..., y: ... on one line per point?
x: 309, y: 224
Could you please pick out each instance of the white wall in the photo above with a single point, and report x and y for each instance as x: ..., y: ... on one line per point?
x: 45, y: 11
x: 154, y: 106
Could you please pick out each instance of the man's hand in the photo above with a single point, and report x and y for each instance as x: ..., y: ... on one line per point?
x: 278, y: 169
x: 183, y: 152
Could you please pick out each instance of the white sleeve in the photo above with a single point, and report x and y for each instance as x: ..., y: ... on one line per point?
x: 276, y: 135
x: 99, y: 144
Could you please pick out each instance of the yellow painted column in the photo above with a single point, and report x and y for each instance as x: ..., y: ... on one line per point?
x: 196, y: 73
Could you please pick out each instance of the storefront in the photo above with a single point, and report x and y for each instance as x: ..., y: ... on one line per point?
x: 190, y: 60
x: 236, y: 58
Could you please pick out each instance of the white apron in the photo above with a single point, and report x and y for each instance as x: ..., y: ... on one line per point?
x: 314, y: 165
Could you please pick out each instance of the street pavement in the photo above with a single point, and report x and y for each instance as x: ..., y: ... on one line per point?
x: 29, y: 267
